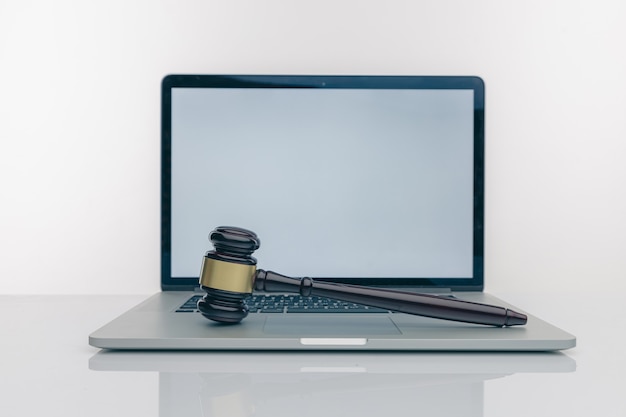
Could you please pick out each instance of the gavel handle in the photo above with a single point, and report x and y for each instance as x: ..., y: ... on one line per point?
x: 404, y: 302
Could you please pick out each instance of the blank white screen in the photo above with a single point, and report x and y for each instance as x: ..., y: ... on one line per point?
x: 336, y: 182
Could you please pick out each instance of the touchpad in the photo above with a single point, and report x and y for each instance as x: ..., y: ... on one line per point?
x: 322, y: 325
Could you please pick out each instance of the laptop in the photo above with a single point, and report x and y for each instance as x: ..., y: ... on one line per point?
x: 363, y: 180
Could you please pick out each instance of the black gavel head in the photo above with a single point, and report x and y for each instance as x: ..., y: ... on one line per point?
x: 227, y: 274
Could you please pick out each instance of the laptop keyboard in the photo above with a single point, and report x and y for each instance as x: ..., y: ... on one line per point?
x: 288, y: 303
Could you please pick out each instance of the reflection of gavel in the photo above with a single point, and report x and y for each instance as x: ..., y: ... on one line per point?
x: 229, y: 276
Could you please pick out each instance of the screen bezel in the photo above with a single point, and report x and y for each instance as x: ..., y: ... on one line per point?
x: 476, y: 84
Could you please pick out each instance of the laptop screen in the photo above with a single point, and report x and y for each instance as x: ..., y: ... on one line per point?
x: 367, y: 180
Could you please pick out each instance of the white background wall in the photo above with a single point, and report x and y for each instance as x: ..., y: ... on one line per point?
x: 79, y: 122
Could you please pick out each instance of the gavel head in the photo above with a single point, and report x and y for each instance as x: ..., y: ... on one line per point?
x: 227, y: 274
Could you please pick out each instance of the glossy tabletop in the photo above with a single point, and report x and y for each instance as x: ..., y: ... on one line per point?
x: 47, y: 368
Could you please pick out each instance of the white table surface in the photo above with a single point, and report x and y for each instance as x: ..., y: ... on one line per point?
x: 48, y: 369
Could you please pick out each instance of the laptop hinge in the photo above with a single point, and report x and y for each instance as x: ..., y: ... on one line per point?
x: 425, y: 290
x: 199, y: 289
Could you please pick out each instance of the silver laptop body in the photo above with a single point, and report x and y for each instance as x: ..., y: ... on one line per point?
x: 366, y: 180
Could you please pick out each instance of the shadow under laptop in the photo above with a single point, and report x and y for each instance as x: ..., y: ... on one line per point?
x: 279, y: 384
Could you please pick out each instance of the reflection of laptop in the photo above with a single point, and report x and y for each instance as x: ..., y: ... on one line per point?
x: 364, y: 384
x: 357, y: 179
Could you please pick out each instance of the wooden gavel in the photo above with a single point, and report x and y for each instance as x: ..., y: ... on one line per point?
x: 229, y: 276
